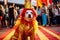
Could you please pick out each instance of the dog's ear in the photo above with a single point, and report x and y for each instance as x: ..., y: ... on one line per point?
x: 34, y: 12
x: 22, y: 14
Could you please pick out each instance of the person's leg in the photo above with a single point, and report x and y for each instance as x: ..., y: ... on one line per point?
x: 6, y: 22
x: 38, y: 19
x: 12, y: 21
x: 44, y: 18
x: 9, y: 21
x: 3, y: 22
x: 53, y: 21
x: 50, y: 21
x: 56, y: 21
x: 59, y: 20
x: 0, y: 24
x: 4, y: 18
x: 41, y: 20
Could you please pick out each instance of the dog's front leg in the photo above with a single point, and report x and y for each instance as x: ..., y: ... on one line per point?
x: 20, y: 36
x: 32, y: 37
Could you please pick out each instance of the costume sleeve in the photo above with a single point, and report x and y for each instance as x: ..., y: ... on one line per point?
x: 35, y: 26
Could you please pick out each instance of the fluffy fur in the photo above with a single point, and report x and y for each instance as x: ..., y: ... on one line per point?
x: 27, y: 25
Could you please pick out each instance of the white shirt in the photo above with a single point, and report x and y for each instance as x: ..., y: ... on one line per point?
x: 59, y: 9
x: 56, y: 12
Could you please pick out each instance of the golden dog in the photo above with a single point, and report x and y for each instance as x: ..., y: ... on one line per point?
x: 27, y: 25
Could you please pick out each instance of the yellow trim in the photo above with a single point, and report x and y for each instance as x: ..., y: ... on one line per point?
x: 41, y: 35
x: 55, y: 35
x: 9, y: 35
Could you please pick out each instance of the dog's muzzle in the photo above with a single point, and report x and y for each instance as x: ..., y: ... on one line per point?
x: 29, y: 16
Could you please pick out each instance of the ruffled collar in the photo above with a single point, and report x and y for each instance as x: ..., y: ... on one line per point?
x: 23, y: 21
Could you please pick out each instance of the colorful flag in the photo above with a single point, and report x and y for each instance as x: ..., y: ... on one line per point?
x: 46, y: 2
x: 39, y: 3
x: 50, y: 1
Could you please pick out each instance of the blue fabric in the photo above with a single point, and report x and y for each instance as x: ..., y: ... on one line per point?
x: 44, y: 18
x: 38, y: 11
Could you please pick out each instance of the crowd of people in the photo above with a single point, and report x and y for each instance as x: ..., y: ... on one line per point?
x: 46, y: 16
x: 8, y: 15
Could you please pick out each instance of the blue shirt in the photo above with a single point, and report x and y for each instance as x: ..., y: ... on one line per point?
x: 38, y: 11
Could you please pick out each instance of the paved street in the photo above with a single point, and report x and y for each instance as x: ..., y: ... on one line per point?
x: 43, y: 33
x: 3, y: 30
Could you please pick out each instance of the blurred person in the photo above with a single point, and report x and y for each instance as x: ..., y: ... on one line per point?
x: 51, y: 16
x: 6, y: 16
x: 35, y: 8
x: 1, y: 16
x: 44, y: 7
x: 11, y: 15
x: 18, y: 11
x: 59, y: 14
x: 56, y: 15
x: 44, y: 17
x: 15, y: 14
x: 39, y: 17
x: 38, y: 10
x: 59, y: 9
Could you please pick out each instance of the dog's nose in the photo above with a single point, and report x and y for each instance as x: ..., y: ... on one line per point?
x: 29, y: 16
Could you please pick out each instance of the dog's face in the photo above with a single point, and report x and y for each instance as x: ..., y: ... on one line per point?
x: 28, y: 15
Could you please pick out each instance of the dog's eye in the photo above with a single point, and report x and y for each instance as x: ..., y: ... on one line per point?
x: 31, y: 12
x: 26, y: 12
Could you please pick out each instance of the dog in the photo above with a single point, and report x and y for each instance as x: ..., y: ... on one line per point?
x: 27, y: 25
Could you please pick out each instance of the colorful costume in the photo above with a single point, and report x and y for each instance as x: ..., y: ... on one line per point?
x: 22, y: 28
x: 26, y: 28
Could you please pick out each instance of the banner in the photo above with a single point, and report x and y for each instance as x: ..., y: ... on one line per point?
x: 46, y: 2
x: 39, y: 3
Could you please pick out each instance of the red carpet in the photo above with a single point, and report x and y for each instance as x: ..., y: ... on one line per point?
x: 42, y: 34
